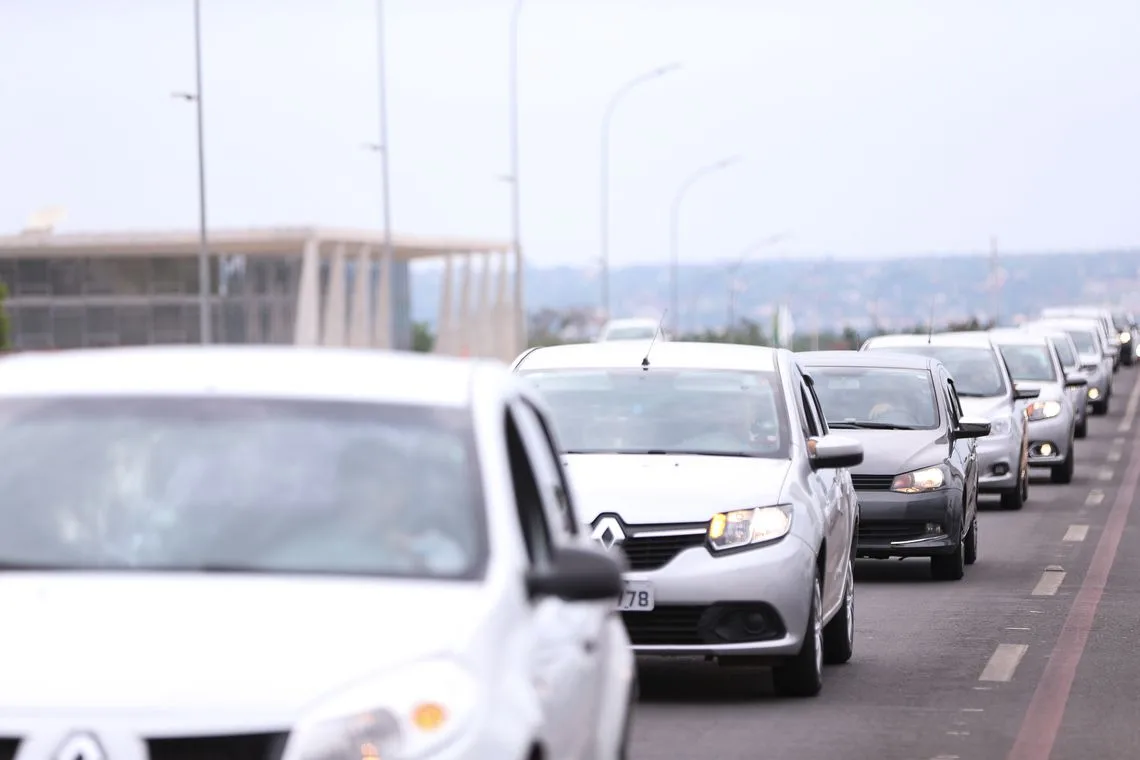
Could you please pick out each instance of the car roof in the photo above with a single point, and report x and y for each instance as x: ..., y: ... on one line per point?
x: 668, y: 354
x: 877, y: 359
x: 285, y: 372
x: 1011, y: 336
x: 1062, y: 311
x: 1089, y: 323
x: 965, y: 339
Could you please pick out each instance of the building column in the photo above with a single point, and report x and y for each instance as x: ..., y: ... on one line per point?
x: 382, y: 336
x: 485, y: 338
x: 333, y: 330
x: 463, y: 328
x: 360, y: 324
x: 504, y: 323
x: 307, y: 328
x: 444, y: 344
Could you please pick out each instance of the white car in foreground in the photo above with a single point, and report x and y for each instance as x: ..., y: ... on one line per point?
x: 712, y: 467
x: 296, y: 554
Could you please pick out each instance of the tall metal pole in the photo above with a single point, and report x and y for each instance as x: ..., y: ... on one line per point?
x: 386, y: 202
x: 604, y: 190
x: 205, y: 320
x: 674, y: 234
x: 516, y: 219
x: 734, y: 272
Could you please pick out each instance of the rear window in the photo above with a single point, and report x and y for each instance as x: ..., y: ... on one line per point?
x: 1032, y: 363
x: 976, y: 371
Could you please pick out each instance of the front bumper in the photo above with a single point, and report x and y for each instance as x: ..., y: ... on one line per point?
x: 999, y: 462
x: 908, y: 524
x: 1057, y: 433
x: 702, y: 602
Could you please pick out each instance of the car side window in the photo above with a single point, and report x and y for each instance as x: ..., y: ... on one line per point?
x: 813, y: 426
x: 528, y: 498
x: 817, y: 409
x: 548, y: 469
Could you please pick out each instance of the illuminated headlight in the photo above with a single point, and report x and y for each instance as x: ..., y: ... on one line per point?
x: 1125, y: 336
x: 730, y: 530
x: 999, y: 427
x: 1043, y: 410
x: 1094, y: 393
x: 423, y: 708
x: 926, y: 479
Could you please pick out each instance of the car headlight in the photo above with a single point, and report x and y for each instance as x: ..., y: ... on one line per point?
x: 1094, y: 393
x: 406, y: 714
x: 743, y: 527
x: 918, y: 481
x: 1000, y: 426
x: 1043, y: 410
x: 1125, y: 336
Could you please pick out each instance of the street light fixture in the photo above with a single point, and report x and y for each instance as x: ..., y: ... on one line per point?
x: 674, y: 231
x: 604, y: 194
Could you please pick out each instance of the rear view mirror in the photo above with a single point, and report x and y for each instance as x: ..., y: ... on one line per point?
x: 830, y: 452
x: 1076, y: 381
x: 579, y: 574
x: 972, y: 427
x: 1024, y: 394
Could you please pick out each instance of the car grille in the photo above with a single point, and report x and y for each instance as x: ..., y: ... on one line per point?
x: 233, y: 747
x: 872, y: 482
x: 891, y: 531
x: 8, y: 748
x: 694, y: 625
x: 653, y: 552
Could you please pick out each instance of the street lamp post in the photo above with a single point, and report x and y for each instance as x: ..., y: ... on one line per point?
x: 734, y: 271
x: 382, y: 148
x: 520, y: 326
x: 604, y: 192
x: 204, y: 317
x: 674, y: 232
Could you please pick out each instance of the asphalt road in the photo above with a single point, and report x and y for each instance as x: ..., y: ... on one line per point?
x: 1034, y: 656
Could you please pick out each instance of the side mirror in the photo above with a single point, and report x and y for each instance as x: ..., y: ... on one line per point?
x: 972, y: 427
x: 830, y: 452
x: 578, y: 574
x: 1076, y: 381
x: 1024, y: 394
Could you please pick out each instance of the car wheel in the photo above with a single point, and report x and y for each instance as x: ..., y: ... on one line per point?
x: 1063, y: 473
x: 1025, y: 480
x: 839, y: 634
x: 949, y: 567
x: 1100, y: 408
x: 802, y: 675
x: 1011, y: 499
x: 1082, y: 429
x: 971, y: 541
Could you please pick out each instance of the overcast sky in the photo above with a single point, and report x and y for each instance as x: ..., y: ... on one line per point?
x: 874, y: 127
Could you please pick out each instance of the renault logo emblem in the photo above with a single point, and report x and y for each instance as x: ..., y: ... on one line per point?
x: 80, y: 747
x: 608, y: 532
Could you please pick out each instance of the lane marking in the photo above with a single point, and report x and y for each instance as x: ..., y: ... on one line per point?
x: 1114, y: 456
x: 1012, y: 628
x: 1003, y: 663
x: 1105, y: 473
x: 1042, y: 722
x: 1130, y: 411
x: 1050, y: 582
x: 1096, y: 496
x: 1118, y: 440
x: 973, y: 709
x: 1076, y: 533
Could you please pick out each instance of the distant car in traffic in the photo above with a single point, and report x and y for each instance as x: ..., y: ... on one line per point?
x: 1071, y: 363
x: 297, y: 553
x: 918, y: 483
x: 1095, y: 363
x: 631, y: 329
x: 1034, y: 363
x: 986, y: 391
x: 1109, y: 337
x: 712, y: 468
x: 1129, y: 334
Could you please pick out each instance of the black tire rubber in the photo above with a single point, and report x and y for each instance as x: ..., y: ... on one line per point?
x: 839, y: 634
x: 1082, y: 429
x: 1011, y: 499
x: 1063, y: 473
x: 1100, y: 408
x: 949, y: 567
x: 802, y: 675
x: 970, y: 555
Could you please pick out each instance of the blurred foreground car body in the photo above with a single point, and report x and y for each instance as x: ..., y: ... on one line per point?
x: 1096, y: 364
x: 712, y: 468
x: 987, y: 391
x: 296, y: 554
x: 918, y: 483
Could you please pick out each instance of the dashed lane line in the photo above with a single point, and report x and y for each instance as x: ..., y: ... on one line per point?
x: 1076, y: 533
x: 1095, y: 497
x: 1050, y: 582
x: 1003, y: 663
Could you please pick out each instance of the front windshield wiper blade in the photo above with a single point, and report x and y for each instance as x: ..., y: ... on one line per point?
x: 699, y: 453
x: 967, y: 394
x: 850, y: 425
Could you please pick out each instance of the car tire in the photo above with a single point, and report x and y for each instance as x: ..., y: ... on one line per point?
x: 1063, y: 473
x: 1011, y: 499
x: 839, y: 634
x: 949, y: 567
x: 1082, y: 429
x: 970, y: 555
x: 1025, y: 481
x: 1100, y: 408
x: 802, y: 675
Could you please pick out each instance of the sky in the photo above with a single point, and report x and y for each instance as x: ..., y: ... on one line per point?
x: 881, y: 127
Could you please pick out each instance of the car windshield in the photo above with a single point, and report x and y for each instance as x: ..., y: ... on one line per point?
x: 1120, y: 322
x: 1032, y: 363
x: 630, y: 333
x: 666, y: 411
x: 902, y: 397
x: 1085, y: 340
x: 240, y: 485
x: 976, y: 371
x: 1065, y: 352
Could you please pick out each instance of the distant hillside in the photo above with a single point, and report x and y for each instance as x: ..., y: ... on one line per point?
x: 834, y: 293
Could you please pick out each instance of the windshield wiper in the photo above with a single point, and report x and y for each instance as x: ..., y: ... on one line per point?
x: 700, y: 453
x: 849, y: 425
x: 967, y: 394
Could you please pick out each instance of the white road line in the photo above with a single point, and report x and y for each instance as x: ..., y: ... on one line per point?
x: 1130, y: 411
x: 1051, y: 580
x: 1096, y: 496
x: 1106, y: 473
x: 1003, y: 663
x: 1114, y: 456
x: 1076, y: 533
x: 1012, y: 628
x: 1118, y: 440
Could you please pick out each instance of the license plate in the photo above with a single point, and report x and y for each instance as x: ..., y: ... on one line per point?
x: 637, y: 596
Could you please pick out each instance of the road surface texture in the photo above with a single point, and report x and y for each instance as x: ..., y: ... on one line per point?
x: 1034, y: 656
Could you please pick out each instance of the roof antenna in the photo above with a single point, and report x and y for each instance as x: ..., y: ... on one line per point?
x: 660, y: 322
x: 930, y: 327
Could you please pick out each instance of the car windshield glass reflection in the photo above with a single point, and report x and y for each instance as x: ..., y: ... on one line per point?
x: 261, y: 486
x: 1084, y: 340
x: 667, y: 411
x: 1065, y: 353
x: 976, y: 371
x: 1032, y: 363
x: 900, y: 398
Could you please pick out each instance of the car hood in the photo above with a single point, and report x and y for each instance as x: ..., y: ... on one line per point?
x: 890, y: 452
x: 987, y: 408
x: 660, y: 488
x: 219, y: 648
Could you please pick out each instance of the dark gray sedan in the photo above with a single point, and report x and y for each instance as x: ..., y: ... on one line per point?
x: 918, y: 485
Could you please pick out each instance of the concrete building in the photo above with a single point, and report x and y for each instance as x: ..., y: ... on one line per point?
x: 277, y: 285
